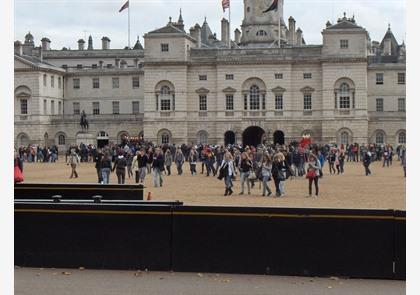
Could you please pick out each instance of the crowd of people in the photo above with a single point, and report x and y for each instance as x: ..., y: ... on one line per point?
x: 249, y: 165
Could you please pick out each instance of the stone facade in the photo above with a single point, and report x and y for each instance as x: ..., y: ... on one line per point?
x: 191, y: 88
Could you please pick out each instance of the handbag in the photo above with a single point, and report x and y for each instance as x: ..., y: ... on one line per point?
x: 18, y: 174
x: 252, y: 175
x: 311, y: 174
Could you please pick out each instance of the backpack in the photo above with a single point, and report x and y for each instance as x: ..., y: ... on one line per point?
x: 121, y: 163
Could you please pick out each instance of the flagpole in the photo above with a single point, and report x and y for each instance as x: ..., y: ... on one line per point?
x: 229, y: 27
x: 128, y: 24
x: 278, y: 10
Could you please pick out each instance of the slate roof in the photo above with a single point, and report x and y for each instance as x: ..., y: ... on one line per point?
x: 168, y: 29
x: 344, y: 24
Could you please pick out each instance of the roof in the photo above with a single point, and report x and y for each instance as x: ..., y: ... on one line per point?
x: 168, y: 29
x: 36, y: 62
x: 205, y: 32
x: 344, y: 24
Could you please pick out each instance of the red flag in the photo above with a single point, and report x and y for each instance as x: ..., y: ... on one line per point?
x: 124, y: 6
x: 225, y: 4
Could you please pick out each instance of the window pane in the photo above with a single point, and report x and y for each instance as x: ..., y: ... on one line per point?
x: 52, y: 81
x: 76, y: 108
x: 229, y: 102
x: 95, y: 82
x: 379, y: 105
x: 95, y: 108
x: 165, y: 104
x: 279, y: 102
x: 203, y: 102
x: 115, y: 83
x: 254, y: 98
x: 202, y: 77
x: 136, y: 107
x: 136, y: 82
x: 401, y: 138
x: 344, y: 44
x: 52, y: 107
x: 401, y: 78
x: 307, y: 102
x: 379, y: 78
x: 76, y: 83
x: 401, y: 104
x: 380, y: 138
x: 23, y: 107
x: 307, y: 75
x: 115, y: 107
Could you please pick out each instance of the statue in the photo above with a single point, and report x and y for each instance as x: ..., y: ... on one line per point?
x: 84, y: 121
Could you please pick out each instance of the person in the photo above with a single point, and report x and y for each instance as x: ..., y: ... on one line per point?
x: 73, y: 161
x: 168, y: 161
x: 120, y: 165
x: 266, y: 167
x: 312, y: 174
x: 105, y: 168
x: 280, y: 167
x: 149, y: 160
x: 366, y: 162
x: 179, y: 160
x: 18, y: 166
x: 245, y: 166
x: 331, y: 161
x: 192, y: 159
x: 130, y: 158
x: 158, y: 167
x: 97, y: 159
x: 341, y: 157
x: 140, y: 166
x: 227, y: 169
x: 337, y: 162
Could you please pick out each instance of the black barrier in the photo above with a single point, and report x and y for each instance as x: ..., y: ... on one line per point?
x: 302, y: 242
x: 97, y: 236
x: 400, y: 244
x: 78, y: 191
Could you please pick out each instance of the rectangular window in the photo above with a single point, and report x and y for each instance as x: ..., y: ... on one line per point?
x: 307, y: 102
x: 278, y: 76
x: 401, y: 78
x: 76, y: 83
x: 76, y: 108
x: 52, y: 107
x: 202, y: 77
x: 45, y: 106
x: 95, y: 83
x: 136, y: 82
x: 401, y: 104
x: 52, y: 81
x: 115, y: 107
x: 45, y: 80
x: 229, y: 77
x: 379, y: 78
x: 307, y: 75
x: 229, y: 102
x: 136, y: 107
x: 96, y: 108
x: 254, y: 102
x: 379, y: 104
x: 164, y: 47
x: 94, y: 66
x: 344, y: 102
x: 245, y: 102
x: 59, y: 82
x: 80, y: 66
x: 165, y: 104
x: 109, y: 66
x: 203, y: 102
x: 115, y: 83
x: 60, y: 110
x: 279, y: 102
x: 344, y: 44
x: 23, y: 107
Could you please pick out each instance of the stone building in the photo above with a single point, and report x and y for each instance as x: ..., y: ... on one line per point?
x: 190, y: 87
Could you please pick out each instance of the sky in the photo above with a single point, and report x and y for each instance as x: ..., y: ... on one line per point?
x: 66, y: 21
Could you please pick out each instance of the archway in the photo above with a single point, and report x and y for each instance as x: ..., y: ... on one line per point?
x: 102, y: 139
x: 278, y: 137
x: 229, y: 138
x: 253, y: 136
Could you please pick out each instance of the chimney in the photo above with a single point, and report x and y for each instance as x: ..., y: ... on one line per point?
x: 81, y: 44
x: 195, y: 32
x: 90, y: 43
x: 299, y: 37
x: 18, y: 48
x: 225, y: 31
x: 237, y: 36
x: 136, y: 62
x: 292, y: 30
x: 101, y: 64
x: 105, y: 43
x: 40, y: 53
x: 117, y: 63
x: 45, y: 43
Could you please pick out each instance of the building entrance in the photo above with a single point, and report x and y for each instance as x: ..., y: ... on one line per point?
x: 229, y: 138
x: 253, y: 136
x: 278, y: 137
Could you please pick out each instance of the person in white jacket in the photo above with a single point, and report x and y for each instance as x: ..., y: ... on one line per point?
x: 229, y: 172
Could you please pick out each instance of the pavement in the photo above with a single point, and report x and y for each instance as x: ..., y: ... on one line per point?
x: 39, y: 281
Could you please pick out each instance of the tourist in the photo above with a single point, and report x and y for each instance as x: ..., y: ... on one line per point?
x: 73, y: 160
x: 140, y: 166
x: 129, y: 163
x: 266, y: 167
x: 279, y: 171
x: 105, y: 167
x: 168, y: 161
x: 341, y: 157
x: 18, y: 168
x: 97, y: 159
x: 120, y: 165
x: 179, y: 160
x: 149, y: 160
x: 158, y: 167
x: 331, y: 160
x: 245, y: 166
x: 192, y: 159
x: 337, y: 162
x: 227, y: 171
x: 366, y: 162
x: 312, y: 173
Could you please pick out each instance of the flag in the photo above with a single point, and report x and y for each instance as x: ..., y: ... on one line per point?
x: 272, y: 6
x: 124, y: 6
x: 225, y: 4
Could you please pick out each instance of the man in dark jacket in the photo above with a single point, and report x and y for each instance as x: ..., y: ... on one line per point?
x: 97, y: 159
x: 158, y: 165
x: 366, y: 163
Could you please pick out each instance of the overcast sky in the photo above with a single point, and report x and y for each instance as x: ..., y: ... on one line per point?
x: 66, y: 21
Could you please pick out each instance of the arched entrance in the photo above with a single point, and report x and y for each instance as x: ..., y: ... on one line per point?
x: 102, y: 139
x: 253, y: 136
x: 278, y: 137
x: 229, y: 138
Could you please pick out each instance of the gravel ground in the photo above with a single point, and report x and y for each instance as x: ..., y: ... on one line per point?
x: 385, y: 188
x: 35, y: 281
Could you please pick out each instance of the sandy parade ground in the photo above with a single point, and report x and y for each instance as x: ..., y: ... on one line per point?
x: 384, y: 189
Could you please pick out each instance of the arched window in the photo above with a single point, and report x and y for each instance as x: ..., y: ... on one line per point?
x: 202, y: 137
x: 380, y: 138
x: 401, y: 138
x: 254, y: 97
x: 23, y: 139
x: 344, y: 96
x: 344, y: 138
x: 61, y: 139
x: 165, y: 90
x: 165, y: 98
x: 165, y: 138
